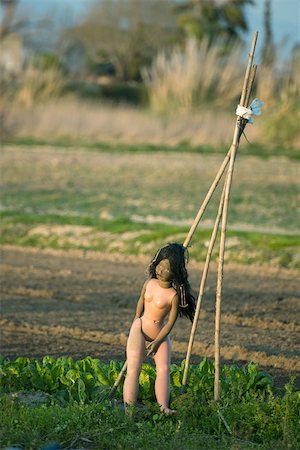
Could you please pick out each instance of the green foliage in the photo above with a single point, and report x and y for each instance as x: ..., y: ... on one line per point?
x: 125, y: 34
x: 78, y: 413
x: 89, y: 379
x: 45, y: 61
x: 211, y: 19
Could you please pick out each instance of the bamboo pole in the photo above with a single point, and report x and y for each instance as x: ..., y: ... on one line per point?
x: 201, y: 290
x: 118, y: 380
x: 206, y: 200
x: 250, y: 84
x: 211, y: 244
x: 244, y: 122
x: 221, y: 170
x: 228, y: 182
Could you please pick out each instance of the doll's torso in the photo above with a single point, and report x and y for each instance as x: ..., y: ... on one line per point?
x: 157, y: 305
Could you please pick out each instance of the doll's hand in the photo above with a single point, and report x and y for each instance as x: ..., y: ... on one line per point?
x: 152, y: 348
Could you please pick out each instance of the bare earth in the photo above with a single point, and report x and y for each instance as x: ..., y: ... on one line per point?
x: 79, y: 304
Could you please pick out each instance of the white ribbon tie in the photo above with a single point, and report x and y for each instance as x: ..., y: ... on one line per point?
x: 247, y: 113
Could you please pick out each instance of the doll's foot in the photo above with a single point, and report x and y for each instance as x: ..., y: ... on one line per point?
x: 168, y: 411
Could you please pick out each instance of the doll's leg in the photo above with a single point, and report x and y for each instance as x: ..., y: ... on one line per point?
x: 162, y: 384
x: 135, y: 355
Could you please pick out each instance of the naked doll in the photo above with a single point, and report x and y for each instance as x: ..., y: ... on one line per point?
x: 164, y: 295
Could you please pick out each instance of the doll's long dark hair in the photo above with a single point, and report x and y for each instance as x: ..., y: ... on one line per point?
x: 176, y: 255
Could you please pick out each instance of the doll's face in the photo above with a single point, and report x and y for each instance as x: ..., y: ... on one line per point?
x: 163, y: 270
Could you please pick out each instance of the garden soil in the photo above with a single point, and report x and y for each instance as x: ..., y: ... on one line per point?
x: 75, y: 303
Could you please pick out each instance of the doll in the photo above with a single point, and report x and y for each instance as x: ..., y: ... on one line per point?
x: 166, y: 293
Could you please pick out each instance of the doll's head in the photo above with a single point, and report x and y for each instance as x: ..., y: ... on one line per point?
x: 175, y: 254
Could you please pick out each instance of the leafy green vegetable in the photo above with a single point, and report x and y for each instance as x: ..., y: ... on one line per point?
x: 89, y: 379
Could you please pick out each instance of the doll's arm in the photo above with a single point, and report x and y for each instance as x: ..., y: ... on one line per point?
x: 140, y: 304
x: 153, y: 346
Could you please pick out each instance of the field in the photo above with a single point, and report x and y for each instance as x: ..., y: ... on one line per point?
x: 133, y: 202
x: 75, y: 304
x: 79, y: 226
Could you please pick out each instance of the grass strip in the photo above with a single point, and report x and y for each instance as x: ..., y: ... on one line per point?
x: 122, y: 235
x: 182, y: 147
x: 255, y: 425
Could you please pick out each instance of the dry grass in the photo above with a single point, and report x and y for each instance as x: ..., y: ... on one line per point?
x: 279, y: 86
x: 196, y: 83
x: 280, y: 90
x: 183, y: 79
x: 38, y: 85
x: 92, y: 122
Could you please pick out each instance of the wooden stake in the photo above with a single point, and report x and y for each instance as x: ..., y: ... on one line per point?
x: 228, y: 181
x: 221, y: 170
x: 206, y: 200
x: 213, y: 237
x: 118, y: 380
x: 201, y: 290
x: 250, y: 84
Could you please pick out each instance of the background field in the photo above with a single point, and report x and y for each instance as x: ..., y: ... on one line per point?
x: 103, y: 213
x: 131, y: 202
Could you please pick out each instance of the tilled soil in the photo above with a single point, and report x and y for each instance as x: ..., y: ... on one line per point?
x: 82, y: 303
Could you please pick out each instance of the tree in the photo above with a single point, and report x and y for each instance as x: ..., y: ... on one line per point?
x: 213, y: 19
x: 126, y: 33
x: 268, y: 50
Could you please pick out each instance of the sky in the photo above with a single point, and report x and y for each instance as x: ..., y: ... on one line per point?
x: 285, y: 18
x: 285, y: 23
